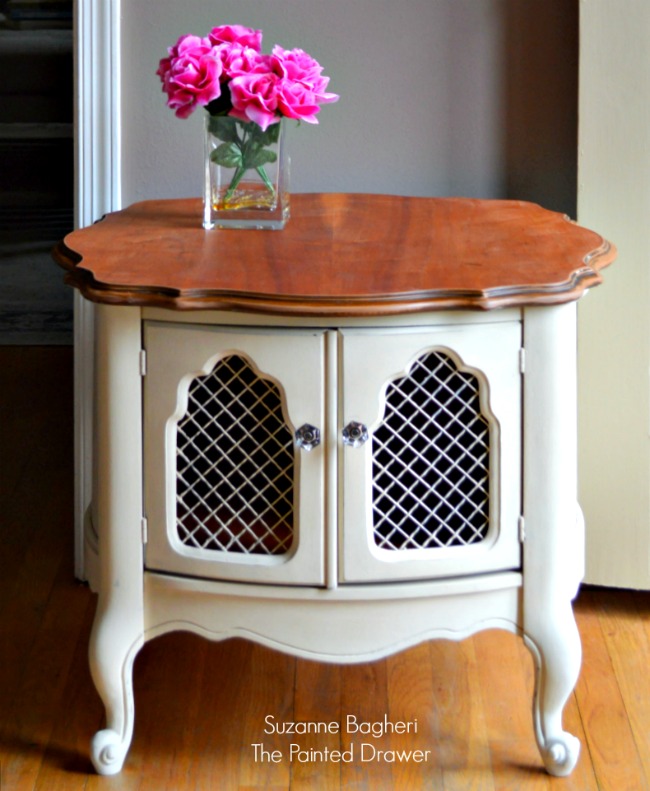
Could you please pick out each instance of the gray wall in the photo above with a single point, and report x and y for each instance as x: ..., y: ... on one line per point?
x: 438, y: 97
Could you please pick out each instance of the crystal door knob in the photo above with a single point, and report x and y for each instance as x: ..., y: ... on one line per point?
x: 355, y: 434
x: 307, y: 437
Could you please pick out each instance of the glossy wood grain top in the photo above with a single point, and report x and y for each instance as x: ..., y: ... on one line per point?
x: 338, y: 255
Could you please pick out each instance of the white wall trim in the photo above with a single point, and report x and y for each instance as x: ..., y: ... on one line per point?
x: 98, y: 96
x: 614, y: 328
x: 97, y: 191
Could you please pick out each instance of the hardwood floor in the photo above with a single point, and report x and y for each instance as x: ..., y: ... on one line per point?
x: 200, y: 706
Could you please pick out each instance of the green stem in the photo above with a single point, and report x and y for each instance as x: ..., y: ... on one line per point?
x: 264, y: 176
x: 245, y: 144
x: 239, y: 174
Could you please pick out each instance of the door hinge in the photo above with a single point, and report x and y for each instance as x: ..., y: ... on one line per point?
x: 522, y: 529
x: 145, y: 529
x: 143, y: 362
x: 522, y: 360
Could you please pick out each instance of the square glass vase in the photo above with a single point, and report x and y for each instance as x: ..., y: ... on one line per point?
x: 246, y: 174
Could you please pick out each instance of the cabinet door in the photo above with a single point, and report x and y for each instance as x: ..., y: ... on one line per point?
x: 434, y: 490
x: 228, y: 495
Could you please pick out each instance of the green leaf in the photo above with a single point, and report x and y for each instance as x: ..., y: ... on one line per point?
x: 260, y: 157
x: 228, y: 155
x: 224, y: 128
x: 271, y: 136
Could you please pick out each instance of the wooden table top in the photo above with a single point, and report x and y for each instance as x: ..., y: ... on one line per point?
x: 339, y: 254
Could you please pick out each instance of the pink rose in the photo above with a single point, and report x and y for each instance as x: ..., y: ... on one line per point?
x: 254, y: 98
x: 236, y: 34
x: 296, y: 64
x: 296, y: 100
x: 190, y: 75
x: 236, y: 59
x: 296, y: 67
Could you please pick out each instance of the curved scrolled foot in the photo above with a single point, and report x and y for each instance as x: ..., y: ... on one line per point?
x: 556, y: 652
x: 107, y: 752
x: 561, y: 755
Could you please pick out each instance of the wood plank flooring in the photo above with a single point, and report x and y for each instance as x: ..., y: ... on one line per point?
x: 201, y: 706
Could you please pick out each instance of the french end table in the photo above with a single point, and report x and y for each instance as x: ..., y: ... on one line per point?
x: 339, y: 439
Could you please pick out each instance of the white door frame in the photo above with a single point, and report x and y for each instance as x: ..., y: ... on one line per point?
x: 614, y: 321
x: 97, y: 191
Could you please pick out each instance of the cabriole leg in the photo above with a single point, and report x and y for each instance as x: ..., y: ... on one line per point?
x: 118, y: 630
x: 553, y: 550
x: 111, y: 665
x: 557, y: 656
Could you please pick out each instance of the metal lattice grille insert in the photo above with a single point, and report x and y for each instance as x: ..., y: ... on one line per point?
x: 431, y: 460
x: 234, y: 464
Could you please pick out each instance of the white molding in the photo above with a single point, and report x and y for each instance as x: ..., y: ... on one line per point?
x: 97, y: 47
x: 97, y: 191
x: 614, y: 328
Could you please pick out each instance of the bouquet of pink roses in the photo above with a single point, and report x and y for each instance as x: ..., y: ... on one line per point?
x: 228, y: 75
x: 245, y: 92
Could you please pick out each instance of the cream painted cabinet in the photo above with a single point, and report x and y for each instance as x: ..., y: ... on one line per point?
x: 420, y: 447
x: 337, y: 440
